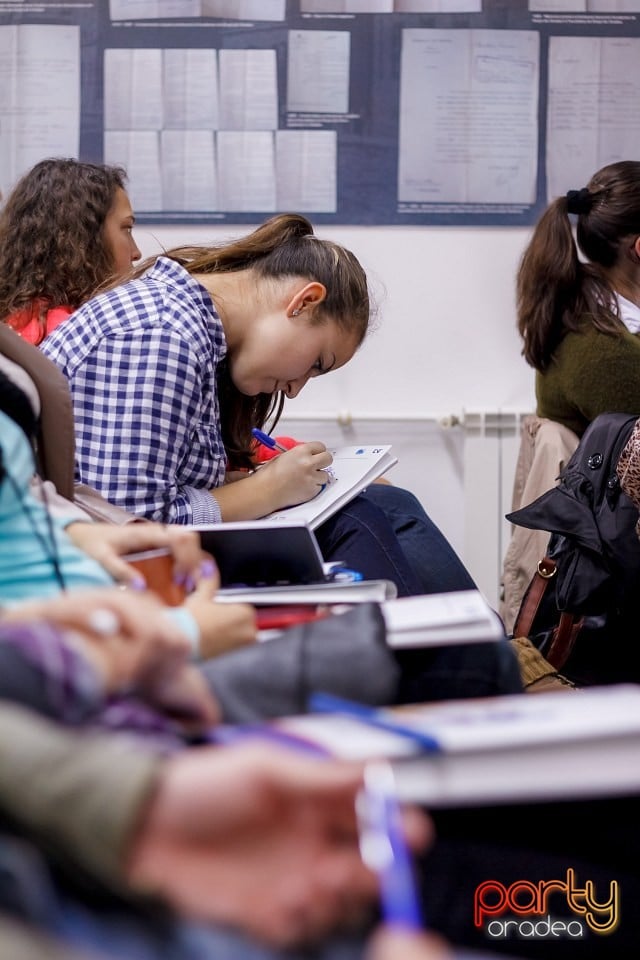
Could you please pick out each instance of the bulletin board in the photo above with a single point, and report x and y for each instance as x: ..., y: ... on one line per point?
x: 437, y: 112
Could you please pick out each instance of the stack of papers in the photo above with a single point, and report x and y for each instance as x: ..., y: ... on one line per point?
x: 338, y: 592
x: 440, y: 619
x: 517, y: 748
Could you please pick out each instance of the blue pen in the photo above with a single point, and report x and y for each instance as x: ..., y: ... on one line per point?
x: 274, y: 445
x: 384, y: 849
x: 225, y: 734
x: 327, y: 703
x: 267, y: 440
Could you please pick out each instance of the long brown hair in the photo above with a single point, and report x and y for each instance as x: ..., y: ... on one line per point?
x: 557, y: 292
x: 283, y: 246
x: 52, y: 249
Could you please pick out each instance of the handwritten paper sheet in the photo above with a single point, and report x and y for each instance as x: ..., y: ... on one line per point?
x: 189, y: 179
x: 584, y: 6
x: 592, y: 118
x: 39, y: 96
x: 306, y: 162
x: 138, y: 151
x: 246, y: 170
x: 248, y: 90
x: 173, y: 9
x: 468, y: 116
x: 318, y: 71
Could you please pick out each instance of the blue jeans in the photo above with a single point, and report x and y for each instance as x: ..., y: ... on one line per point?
x: 361, y: 535
x: 431, y: 557
x: 386, y: 534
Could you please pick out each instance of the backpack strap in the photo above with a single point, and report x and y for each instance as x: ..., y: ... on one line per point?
x: 532, y: 599
x: 564, y: 635
x: 563, y: 638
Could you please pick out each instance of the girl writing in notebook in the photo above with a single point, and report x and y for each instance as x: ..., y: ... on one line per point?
x: 172, y: 370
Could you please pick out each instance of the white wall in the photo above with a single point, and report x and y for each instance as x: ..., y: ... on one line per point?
x: 446, y: 339
x: 445, y: 345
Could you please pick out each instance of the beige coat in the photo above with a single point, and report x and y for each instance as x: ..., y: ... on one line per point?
x: 545, y: 448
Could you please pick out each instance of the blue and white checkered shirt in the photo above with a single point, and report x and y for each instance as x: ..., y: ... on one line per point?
x: 141, y: 362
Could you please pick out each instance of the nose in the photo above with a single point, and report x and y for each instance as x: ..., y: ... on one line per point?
x: 295, y: 386
x: 135, y: 251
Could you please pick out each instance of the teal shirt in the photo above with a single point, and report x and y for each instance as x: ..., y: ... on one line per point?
x: 33, y: 543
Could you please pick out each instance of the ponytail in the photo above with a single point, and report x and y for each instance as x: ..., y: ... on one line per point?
x: 556, y: 291
x: 548, y: 278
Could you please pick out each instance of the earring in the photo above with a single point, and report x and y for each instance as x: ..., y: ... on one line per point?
x: 296, y: 312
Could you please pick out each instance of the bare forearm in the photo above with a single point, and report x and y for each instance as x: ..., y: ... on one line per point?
x: 250, y: 498
x: 291, y: 478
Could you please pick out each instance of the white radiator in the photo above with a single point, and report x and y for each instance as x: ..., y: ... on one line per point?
x: 460, y: 466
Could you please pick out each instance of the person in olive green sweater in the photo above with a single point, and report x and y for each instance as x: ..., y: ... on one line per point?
x: 579, y: 300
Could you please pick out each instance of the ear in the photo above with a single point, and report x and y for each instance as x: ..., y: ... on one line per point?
x: 310, y: 295
x: 635, y: 250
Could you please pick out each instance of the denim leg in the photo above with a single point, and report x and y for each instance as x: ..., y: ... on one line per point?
x: 430, y: 555
x: 361, y: 535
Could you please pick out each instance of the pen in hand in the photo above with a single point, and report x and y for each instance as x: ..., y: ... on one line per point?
x: 384, y: 849
x: 273, y: 444
x: 267, y: 440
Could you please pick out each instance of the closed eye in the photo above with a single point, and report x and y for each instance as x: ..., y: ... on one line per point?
x: 318, y: 367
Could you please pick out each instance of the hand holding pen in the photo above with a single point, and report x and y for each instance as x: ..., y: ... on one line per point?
x: 272, y: 444
x: 385, y: 849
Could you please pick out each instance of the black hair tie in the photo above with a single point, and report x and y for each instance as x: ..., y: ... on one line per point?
x: 579, y: 201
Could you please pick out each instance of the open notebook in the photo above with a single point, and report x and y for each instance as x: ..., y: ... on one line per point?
x: 353, y: 469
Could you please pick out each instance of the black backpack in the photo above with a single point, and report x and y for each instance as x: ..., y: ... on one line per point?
x: 582, y: 606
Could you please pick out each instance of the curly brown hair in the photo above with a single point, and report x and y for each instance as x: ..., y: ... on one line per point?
x: 52, y: 249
